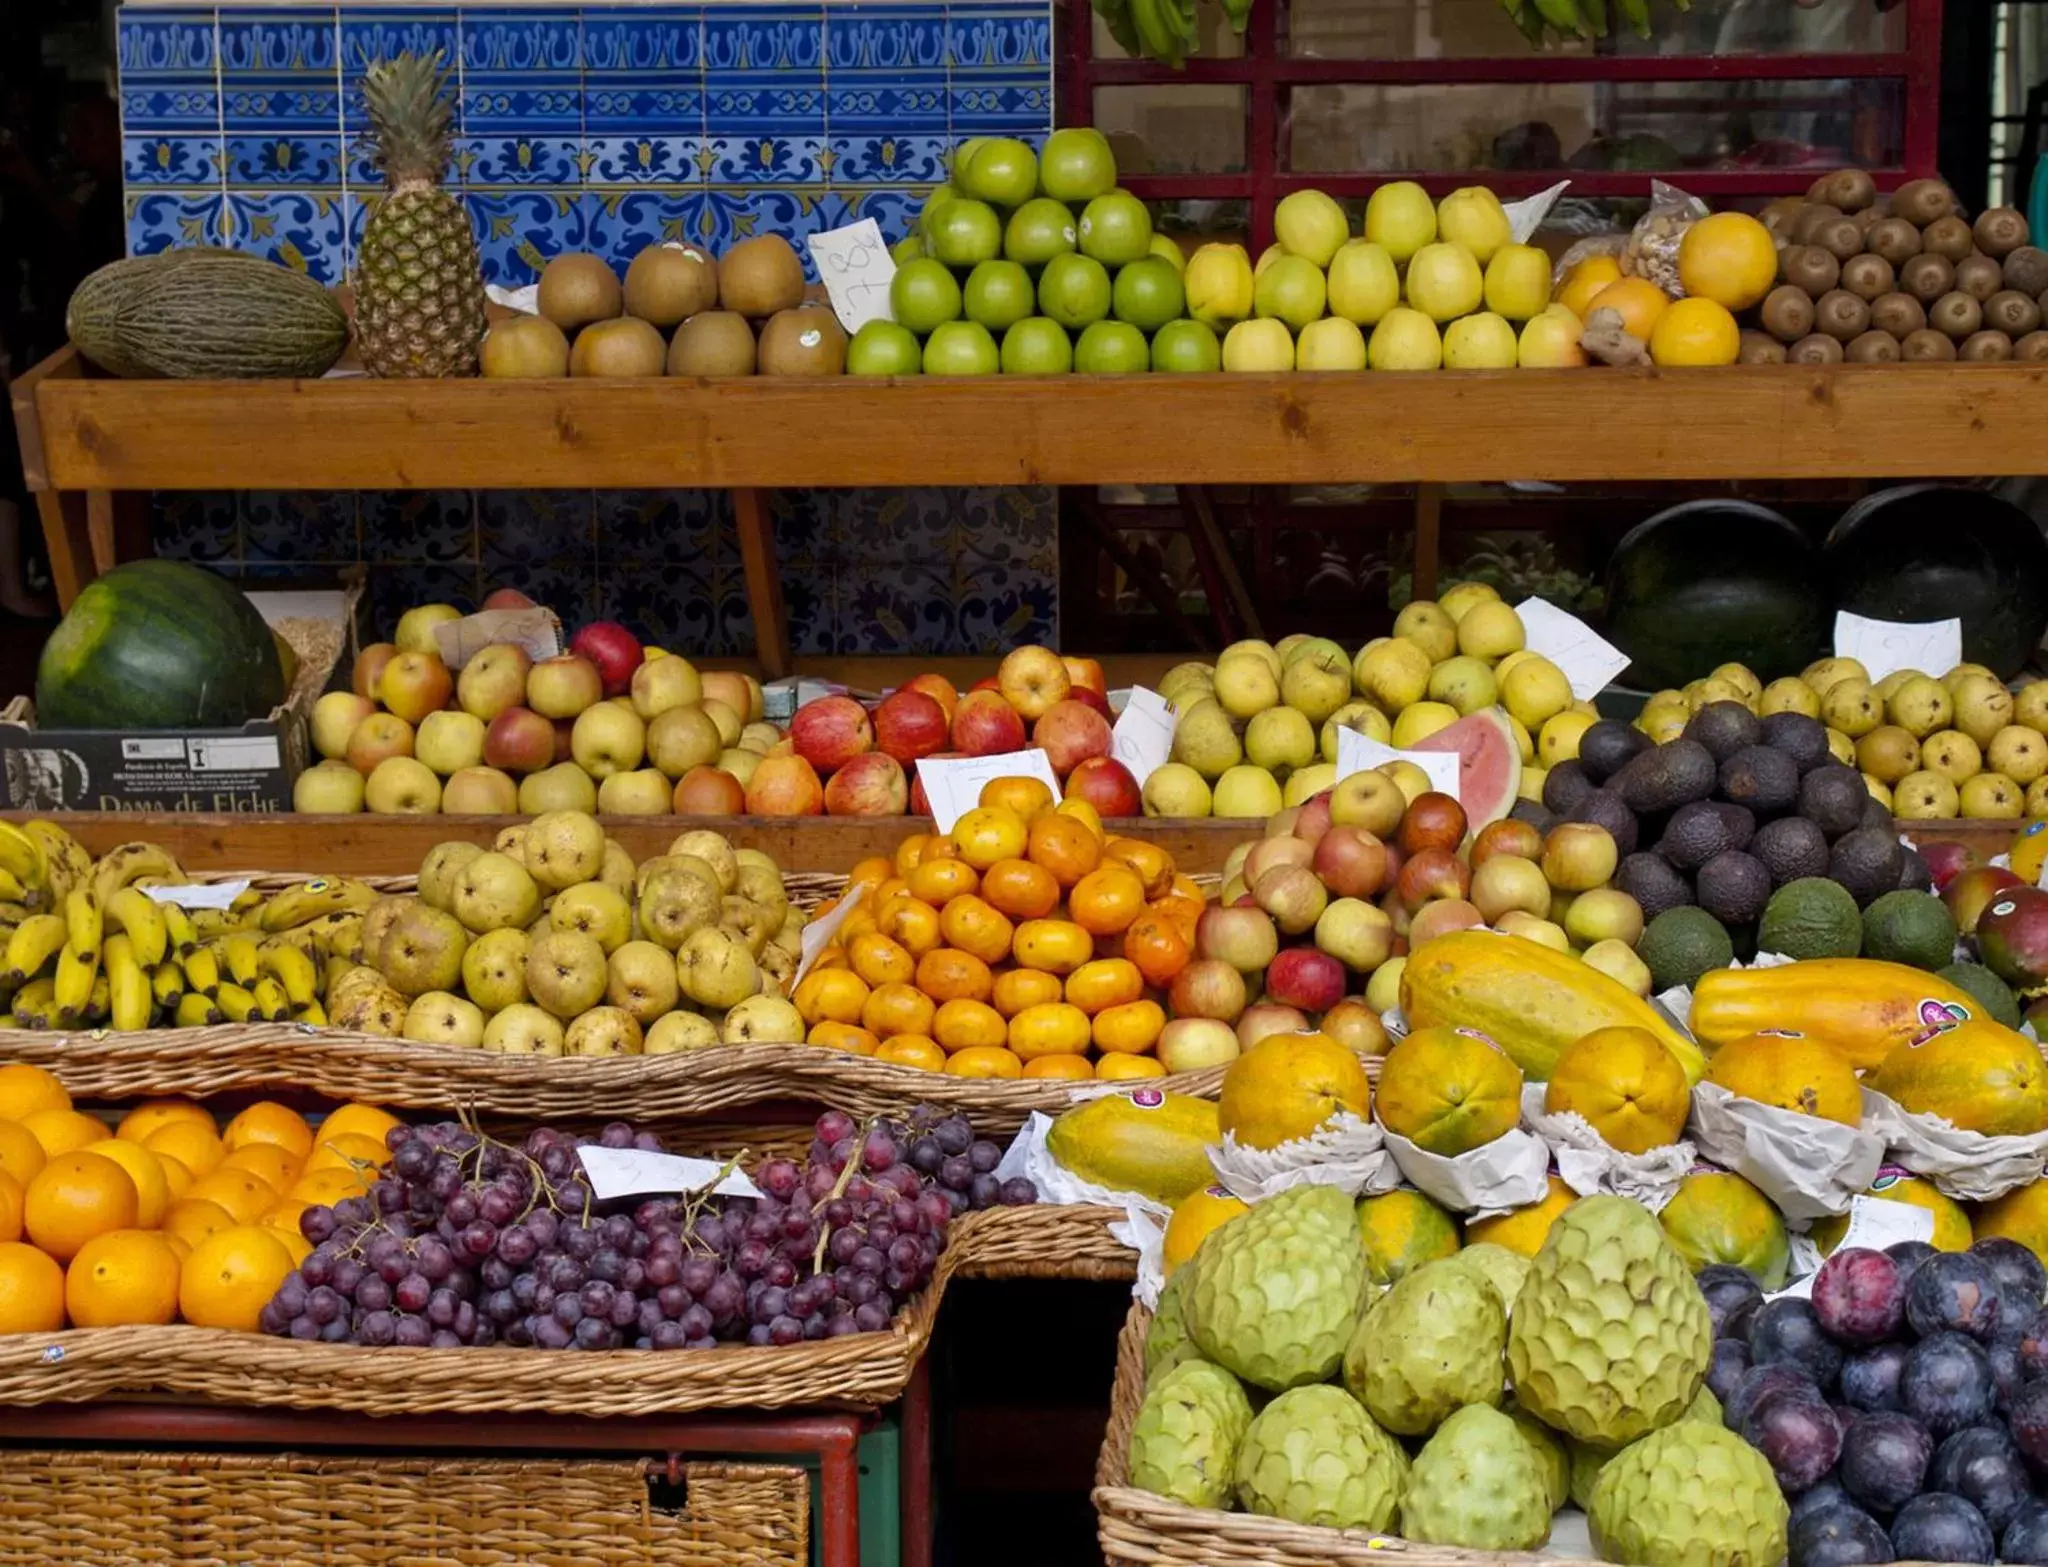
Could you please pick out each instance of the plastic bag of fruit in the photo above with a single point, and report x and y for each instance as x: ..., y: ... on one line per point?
x: 1652, y: 248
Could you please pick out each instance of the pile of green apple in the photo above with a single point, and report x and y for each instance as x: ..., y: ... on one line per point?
x: 1256, y: 732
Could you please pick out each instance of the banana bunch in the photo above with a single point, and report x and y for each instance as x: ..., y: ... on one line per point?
x: 1163, y: 30
x: 1541, y: 20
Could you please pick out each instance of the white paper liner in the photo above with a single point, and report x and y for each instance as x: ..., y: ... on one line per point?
x: 1807, y: 1167
x: 1588, y: 1164
x: 1967, y: 1166
x: 1143, y: 1227
x: 1510, y: 1172
x: 1348, y: 1152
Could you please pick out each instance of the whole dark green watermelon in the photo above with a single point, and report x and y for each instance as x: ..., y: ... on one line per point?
x: 158, y: 644
x: 1714, y: 582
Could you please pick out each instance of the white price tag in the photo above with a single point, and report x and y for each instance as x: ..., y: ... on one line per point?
x: 953, y: 784
x: 536, y: 631
x: 855, y: 265
x: 1589, y: 661
x: 200, y: 895
x: 1357, y: 752
x: 1143, y: 736
x: 1874, y: 1224
x: 1884, y: 647
x: 627, y: 1172
x: 817, y: 935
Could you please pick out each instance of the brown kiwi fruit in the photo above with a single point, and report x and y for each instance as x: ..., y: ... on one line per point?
x: 2026, y: 269
x: 1980, y: 277
x: 622, y: 348
x: 1868, y: 276
x: 1986, y: 348
x: 1921, y: 202
x: 1819, y: 349
x: 2033, y: 347
x: 712, y: 343
x: 1958, y: 314
x: 1873, y: 348
x: 1788, y: 313
x: 1927, y: 346
x: 1760, y: 348
x: 806, y: 341
x: 1810, y: 269
x: 2000, y: 231
x: 1899, y: 314
x: 760, y: 276
x: 1896, y: 240
x: 2011, y: 312
x: 1950, y: 237
x: 1777, y: 215
x: 1810, y: 217
x: 1841, y: 315
x: 1840, y: 237
x: 1850, y: 189
x: 668, y: 283
x: 1927, y: 277
x: 578, y: 289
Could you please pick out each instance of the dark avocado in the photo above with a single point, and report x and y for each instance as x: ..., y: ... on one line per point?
x: 1734, y: 887
x: 1695, y: 834
x: 1564, y: 786
x: 1914, y: 876
x: 1604, y: 808
x: 1608, y: 746
x: 1832, y: 797
x: 1867, y: 862
x: 1723, y: 728
x: 1666, y: 777
x: 1791, y: 848
x: 1875, y: 813
x: 1741, y: 823
x: 1765, y: 781
x: 1803, y: 739
x: 1652, y: 883
x: 1537, y: 816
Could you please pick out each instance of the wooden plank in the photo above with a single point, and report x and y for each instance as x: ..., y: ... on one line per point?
x: 1429, y: 518
x: 1740, y: 422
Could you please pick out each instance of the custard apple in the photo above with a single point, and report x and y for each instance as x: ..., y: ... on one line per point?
x: 1587, y: 1462
x: 1505, y: 1270
x: 1549, y: 1449
x: 1610, y: 1336
x: 1166, y: 1342
x: 1690, y: 1495
x: 1477, y: 1483
x: 1313, y: 1455
x: 1277, y: 1291
x: 1432, y: 1346
x: 1184, y: 1442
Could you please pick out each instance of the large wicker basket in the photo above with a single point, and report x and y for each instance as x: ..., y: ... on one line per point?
x: 116, y: 1509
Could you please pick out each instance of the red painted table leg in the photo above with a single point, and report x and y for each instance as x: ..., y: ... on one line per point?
x: 839, y: 1502
x: 916, y: 1459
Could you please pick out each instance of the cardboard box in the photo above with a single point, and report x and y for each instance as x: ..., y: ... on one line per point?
x: 247, y: 769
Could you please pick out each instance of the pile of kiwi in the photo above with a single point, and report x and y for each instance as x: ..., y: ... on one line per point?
x: 1899, y: 279
x: 678, y: 312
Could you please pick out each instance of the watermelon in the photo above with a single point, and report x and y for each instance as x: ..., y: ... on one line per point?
x: 159, y: 644
x: 1489, y: 763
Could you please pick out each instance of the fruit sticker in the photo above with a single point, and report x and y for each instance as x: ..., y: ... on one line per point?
x: 1936, y: 1019
x: 1148, y: 1098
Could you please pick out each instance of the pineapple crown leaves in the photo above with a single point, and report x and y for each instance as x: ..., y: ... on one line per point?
x: 412, y: 116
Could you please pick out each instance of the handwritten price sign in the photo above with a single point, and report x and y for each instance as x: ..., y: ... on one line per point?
x: 856, y: 267
x: 1884, y: 647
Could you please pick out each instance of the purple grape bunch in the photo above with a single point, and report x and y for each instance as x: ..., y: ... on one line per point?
x: 466, y: 1241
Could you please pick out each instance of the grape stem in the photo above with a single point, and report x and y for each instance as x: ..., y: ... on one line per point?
x: 860, y: 1147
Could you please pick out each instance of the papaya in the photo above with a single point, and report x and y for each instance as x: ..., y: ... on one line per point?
x: 2020, y: 1215
x: 1449, y: 1090
x: 1287, y: 1086
x: 1790, y: 1071
x: 1717, y: 1216
x: 1531, y: 1000
x: 1860, y: 1007
x: 1625, y: 1085
x: 1193, y: 1217
x: 1147, y: 1142
x: 1980, y: 1076
x: 1402, y: 1230
x: 1952, y: 1230
x: 1524, y: 1229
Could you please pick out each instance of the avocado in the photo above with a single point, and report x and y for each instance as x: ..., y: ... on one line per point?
x: 1803, y: 739
x: 1652, y: 883
x: 1733, y: 887
x: 1695, y: 834
x: 1724, y: 728
x: 1608, y: 746
x: 1914, y: 876
x: 1765, y: 781
x: 1680, y: 945
x: 1877, y: 815
x: 1536, y: 814
x: 1866, y: 862
x: 1791, y: 848
x: 1832, y: 797
x: 1811, y: 918
x: 1604, y: 808
x: 1564, y: 786
x: 1667, y: 777
x: 1914, y: 928
x: 1741, y: 823
x: 1993, y: 993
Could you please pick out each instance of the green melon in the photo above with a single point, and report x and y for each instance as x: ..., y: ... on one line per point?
x: 158, y: 644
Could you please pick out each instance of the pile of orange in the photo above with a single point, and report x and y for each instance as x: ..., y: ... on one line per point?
x: 1026, y: 942
x: 169, y: 1216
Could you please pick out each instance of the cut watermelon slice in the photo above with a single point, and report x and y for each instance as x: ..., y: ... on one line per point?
x: 1489, y: 764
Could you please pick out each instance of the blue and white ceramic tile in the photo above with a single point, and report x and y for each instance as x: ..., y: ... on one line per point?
x: 518, y: 231
x: 662, y: 525
x: 623, y: 223
x: 733, y: 632
x: 418, y: 525
x: 168, y: 70
x: 303, y: 230
x: 392, y: 590
x: 161, y: 219
x: 150, y: 159
x: 197, y: 525
x: 301, y: 526
x: 523, y: 526
x: 664, y: 602
x: 566, y: 584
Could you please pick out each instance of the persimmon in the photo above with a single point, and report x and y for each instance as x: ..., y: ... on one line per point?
x: 1018, y: 988
x: 879, y: 960
x: 1021, y: 889
x: 948, y: 974
x: 1153, y: 865
x: 1131, y: 1029
x: 1102, y: 983
x: 984, y: 1061
x: 1119, y: 1067
x: 973, y: 925
x: 897, y: 1009
x: 1064, y: 846
x: 830, y: 995
x: 936, y: 881
x: 1107, y: 899
x: 912, y: 1050
x: 849, y: 1037
x: 1026, y: 796
x: 1158, y: 946
x: 989, y: 833
x: 1070, y: 1068
x: 1052, y: 1029
x: 911, y: 923
x: 964, y: 1024
x: 871, y: 872
x: 1056, y: 946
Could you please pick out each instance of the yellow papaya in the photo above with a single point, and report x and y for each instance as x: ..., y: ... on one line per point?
x: 1858, y: 1006
x: 1529, y: 999
x: 2018, y: 1216
x: 1719, y: 1217
x: 1149, y: 1142
x: 1193, y: 1217
x: 1790, y: 1071
x: 1627, y: 1086
x: 1402, y: 1230
x: 1524, y: 1229
x: 1449, y: 1090
x: 1980, y: 1076
x: 1951, y: 1224
x: 1287, y: 1085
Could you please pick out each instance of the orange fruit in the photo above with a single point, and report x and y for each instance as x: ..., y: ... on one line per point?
x: 1103, y: 983
x: 984, y: 1062
x: 284, y: 1214
x: 348, y: 1151
x: 1021, y: 889
x: 75, y: 1197
x: 1018, y: 988
x: 948, y: 974
x: 20, y: 1154
x: 935, y: 881
x: 1120, y: 1068
x: 25, y: 1090
x: 192, y: 1219
x: 1132, y: 1028
x: 919, y: 847
x: 970, y: 924
x: 13, y: 1198
x: 1152, y: 865
x: 1695, y: 332
x: 1585, y: 280
x: 1638, y: 302
x: 1051, y: 1029
x: 830, y: 995
x: 1107, y: 900
x: 897, y: 1009
x: 893, y: 887
x: 833, y: 956
x: 912, y: 1050
x: 230, y: 1277
x: 363, y: 1120
x: 1056, y: 946
x: 849, y: 1037
x: 1155, y: 944
x: 31, y: 1290
x: 1065, y: 846
x: 176, y: 1176
x: 270, y: 1164
x: 122, y: 1278
x: 294, y: 1242
x: 194, y: 1146
x: 152, y: 1187
x: 152, y: 1115
x: 242, y: 1193
x: 1083, y: 812
x: 1026, y: 796
x: 989, y: 833
x: 64, y: 1131
x: 1185, y: 912
x: 269, y: 1122
x: 1728, y: 258
x: 1070, y: 1067
x: 871, y: 872
x: 911, y: 923
x: 880, y: 961
x: 963, y: 1024
x: 328, y: 1186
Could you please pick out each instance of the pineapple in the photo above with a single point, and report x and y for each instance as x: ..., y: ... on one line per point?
x: 419, y: 286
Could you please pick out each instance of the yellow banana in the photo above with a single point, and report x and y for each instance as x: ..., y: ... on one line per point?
x: 70, y: 866
x: 35, y: 1003
x: 310, y: 900
x: 82, y: 922
x: 23, y: 857
x: 202, y: 969
x: 247, y: 902
x: 118, y: 867
x: 312, y: 1013
x: 11, y: 889
x: 100, y: 1000
x: 140, y: 919
x: 272, y: 1004
x: 195, y: 1011
x: 75, y: 973
x: 236, y: 1004
x: 167, y: 984
x: 178, y: 928
x: 332, y: 970
x: 36, y: 940
x: 129, y: 997
x: 324, y: 931
x: 239, y: 953
x: 292, y: 968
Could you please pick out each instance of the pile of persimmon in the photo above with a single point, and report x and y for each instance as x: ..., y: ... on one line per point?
x: 1027, y: 942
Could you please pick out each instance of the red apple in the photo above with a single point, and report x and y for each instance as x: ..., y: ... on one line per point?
x: 1070, y: 732
x: 1946, y: 860
x: 1089, y: 697
x: 414, y: 685
x: 1086, y: 673
x: 830, y: 731
x: 565, y: 739
x: 910, y: 724
x: 920, y: 802
x: 1351, y: 862
x: 563, y: 686
x: 1242, y: 937
x: 1269, y: 1017
x: 938, y: 688
x: 1312, y: 819
x: 369, y: 667
x: 1443, y: 917
x: 376, y: 739
x: 986, y: 683
x: 871, y: 784
x: 1106, y: 784
x: 615, y: 651
x: 508, y: 598
x: 1430, y: 874
x: 1305, y: 977
x: 1208, y: 987
x: 1033, y: 678
x: 785, y: 786
x: 709, y: 791
x: 519, y: 740
x: 985, y: 724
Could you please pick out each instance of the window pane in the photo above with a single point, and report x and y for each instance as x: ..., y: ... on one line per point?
x: 1173, y: 128
x: 1480, y: 29
x: 1219, y: 40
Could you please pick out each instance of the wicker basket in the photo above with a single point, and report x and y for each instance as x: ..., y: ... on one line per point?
x: 116, y: 1509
